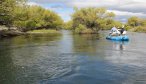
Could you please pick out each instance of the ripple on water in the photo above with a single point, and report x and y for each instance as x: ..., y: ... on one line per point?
x: 38, y: 61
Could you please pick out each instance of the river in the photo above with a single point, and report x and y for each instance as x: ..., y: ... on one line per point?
x: 73, y: 59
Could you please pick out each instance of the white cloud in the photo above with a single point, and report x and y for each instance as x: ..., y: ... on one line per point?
x: 125, y: 5
x: 139, y: 1
x: 122, y: 8
x: 125, y: 13
x: 91, y: 3
x: 32, y: 3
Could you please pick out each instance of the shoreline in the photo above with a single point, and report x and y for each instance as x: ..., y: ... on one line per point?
x: 13, y: 33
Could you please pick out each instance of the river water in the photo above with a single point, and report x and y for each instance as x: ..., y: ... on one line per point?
x: 73, y: 59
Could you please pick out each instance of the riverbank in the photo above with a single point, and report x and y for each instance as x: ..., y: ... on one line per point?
x: 139, y: 29
x: 43, y: 31
x: 11, y: 32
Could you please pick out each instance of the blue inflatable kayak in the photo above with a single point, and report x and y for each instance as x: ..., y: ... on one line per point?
x: 118, y: 38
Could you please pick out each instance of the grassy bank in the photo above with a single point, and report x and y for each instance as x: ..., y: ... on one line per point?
x: 138, y: 29
x: 81, y: 29
x: 44, y: 31
x: 13, y: 31
x: 85, y: 31
x: 10, y: 33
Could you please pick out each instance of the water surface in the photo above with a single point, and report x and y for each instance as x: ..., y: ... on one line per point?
x: 73, y: 59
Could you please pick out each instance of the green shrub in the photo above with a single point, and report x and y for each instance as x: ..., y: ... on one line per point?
x: 88, y: 31
x: 108, y: 27
x: 45, y: 32
x: 20, y: 24
x: 80, y: 28
x: 140, y: 29
x: 128, y: 27
x: 68, y: 25
x: 30, y: 24
x: 93, y: 18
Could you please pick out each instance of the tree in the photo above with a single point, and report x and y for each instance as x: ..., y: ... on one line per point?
x: 6, y: 11
x: 91, y: 18
x: 35, y: 17
x: 110, y: 15
x: 133, y: 21
x: 68, y: 25
x: 118, y: 24
x: 142, y: 22
x: 17, y: 13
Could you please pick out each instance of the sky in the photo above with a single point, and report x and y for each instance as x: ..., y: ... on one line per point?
x: 122, y: 8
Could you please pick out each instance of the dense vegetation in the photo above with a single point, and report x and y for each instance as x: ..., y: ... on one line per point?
x: 44, y: 31
x: 17, y: 14
x: 68, y: 25
x: 91, y: 20
x: 136, y: 24
x: 24, y: 17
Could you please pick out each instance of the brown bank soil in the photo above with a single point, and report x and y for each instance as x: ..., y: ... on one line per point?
x: 10, y: 33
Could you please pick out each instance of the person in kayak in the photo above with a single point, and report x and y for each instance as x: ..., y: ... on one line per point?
x: 114, y: 32
x: 123, y: 31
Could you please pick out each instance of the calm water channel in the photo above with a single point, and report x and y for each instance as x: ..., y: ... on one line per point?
x: 73, y: 59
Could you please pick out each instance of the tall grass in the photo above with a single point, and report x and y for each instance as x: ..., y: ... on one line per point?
x: 44, y: 31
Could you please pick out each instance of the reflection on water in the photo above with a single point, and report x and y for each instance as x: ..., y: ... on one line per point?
x: 120, y: 45
x: 85, y: 43
x: 72, y: 59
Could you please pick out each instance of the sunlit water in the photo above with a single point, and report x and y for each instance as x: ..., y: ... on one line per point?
x: 73, y: 59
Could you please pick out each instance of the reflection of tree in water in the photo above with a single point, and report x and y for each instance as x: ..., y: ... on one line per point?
x: 10, y: 72
x: 7, y: 69
x: 34, y: 39
x: 119, y: 45
x: 85, y: 43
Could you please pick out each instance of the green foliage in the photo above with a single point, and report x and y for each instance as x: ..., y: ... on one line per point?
x: 44, y: 31
x: 127, y: 27
x: 117, y: 24
x: 136, y: 24
x: 88, y: 31
x: 142, y: 22
x: 17, y: 13
x: 36, y: 17
x: 110, y: 15
x: 133, y: 21
x: 6, y: 11
x: 92, y: 18
x: 68, y: 25
x: 80, y: 28
x: 139, y: 29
